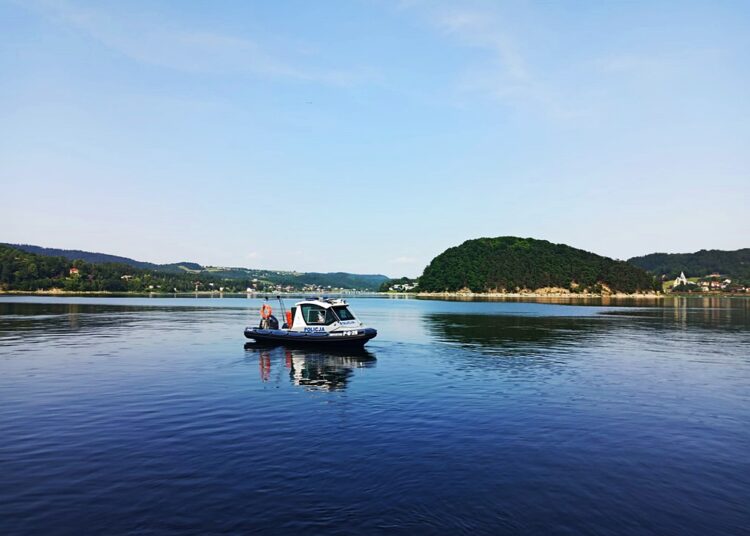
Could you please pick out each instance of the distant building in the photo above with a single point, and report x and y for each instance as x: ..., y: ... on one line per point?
x: 403, y: 287
x: 682, y: 280
x: 74, y: 271
x: 716, y: 282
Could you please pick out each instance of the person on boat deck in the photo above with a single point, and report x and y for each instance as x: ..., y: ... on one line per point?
x: 321, y: 317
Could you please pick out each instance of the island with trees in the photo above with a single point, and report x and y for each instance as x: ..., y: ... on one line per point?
x: 513, y: 265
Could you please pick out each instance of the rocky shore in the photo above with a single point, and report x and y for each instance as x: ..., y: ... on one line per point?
x: 546, y: 292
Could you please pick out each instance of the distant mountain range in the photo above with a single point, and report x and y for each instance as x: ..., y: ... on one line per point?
x: 481, y: 265
x: 735, y: 264
x: 276, y: 277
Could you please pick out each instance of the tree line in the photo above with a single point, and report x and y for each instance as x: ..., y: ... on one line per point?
x: 734, y: 264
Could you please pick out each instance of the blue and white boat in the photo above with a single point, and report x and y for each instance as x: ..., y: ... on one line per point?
x: 315, y: 321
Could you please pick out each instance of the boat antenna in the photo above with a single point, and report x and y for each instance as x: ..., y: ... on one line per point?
x: 283, y: 307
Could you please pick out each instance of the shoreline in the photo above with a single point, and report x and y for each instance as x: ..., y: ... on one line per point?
x: 417, y: 295
x: 533, y: 294
x: 582, y: 295
x: 270, y: 295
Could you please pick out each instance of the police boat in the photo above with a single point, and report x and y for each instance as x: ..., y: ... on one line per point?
x: 314, y: 321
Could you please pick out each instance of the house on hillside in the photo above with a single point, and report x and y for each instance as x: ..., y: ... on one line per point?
x: 681, y: 280
x: 715, y: 282
x: 73, y: 271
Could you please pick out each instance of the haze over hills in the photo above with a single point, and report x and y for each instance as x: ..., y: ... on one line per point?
x: 509, y: 264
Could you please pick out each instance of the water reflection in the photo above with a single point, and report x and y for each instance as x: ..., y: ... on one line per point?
x: 42, y: 322
x: 527, y: 334
x: 510, y: 335
x: 312, y: 369
x: 703, y: 313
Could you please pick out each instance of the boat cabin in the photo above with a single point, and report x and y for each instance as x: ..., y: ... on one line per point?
x: 322, y: 314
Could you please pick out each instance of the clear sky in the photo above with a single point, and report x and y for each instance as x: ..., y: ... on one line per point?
x: 369, y: 136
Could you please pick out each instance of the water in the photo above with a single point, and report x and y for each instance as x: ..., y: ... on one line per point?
x: 146, y: 416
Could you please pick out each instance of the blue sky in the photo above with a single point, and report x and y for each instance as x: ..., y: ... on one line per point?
x: 369, y: 136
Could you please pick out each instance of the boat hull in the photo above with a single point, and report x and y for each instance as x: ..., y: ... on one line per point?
x: 296, y: 338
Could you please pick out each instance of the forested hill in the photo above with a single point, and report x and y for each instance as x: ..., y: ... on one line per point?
x: 735, y: 264
x: 510, y: 264
x: 33, y: 267
x: 21, y: 270
x: 100, y: 258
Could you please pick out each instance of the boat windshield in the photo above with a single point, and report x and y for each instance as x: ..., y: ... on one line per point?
x: 316, y: 315
x: 343, y: 312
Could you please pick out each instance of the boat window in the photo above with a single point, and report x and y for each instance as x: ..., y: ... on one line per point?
x: 317, y: 315
x: 343, y: 312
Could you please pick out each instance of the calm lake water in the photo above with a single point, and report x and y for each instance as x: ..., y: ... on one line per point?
x: 146, y: 416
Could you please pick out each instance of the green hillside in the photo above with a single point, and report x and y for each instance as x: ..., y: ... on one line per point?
x: 38, y: 269
x: 299, y: 280
x: 105, y: 258
x: 20, y: 270
x: 735, y: 264
x: 510, y: 263
x: 236, y: 278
